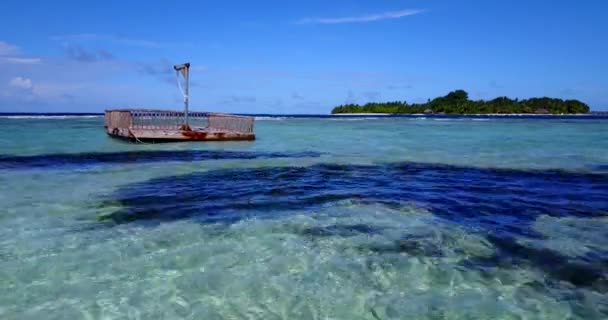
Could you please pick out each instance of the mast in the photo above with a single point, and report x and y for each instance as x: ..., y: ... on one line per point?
x: 184, y: 69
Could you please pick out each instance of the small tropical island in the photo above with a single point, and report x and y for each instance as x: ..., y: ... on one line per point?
x: 457, y: 102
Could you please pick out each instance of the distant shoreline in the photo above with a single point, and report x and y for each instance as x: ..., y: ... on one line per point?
x: 18, y: 115
x: 458, y: 102
x: 471, y: 114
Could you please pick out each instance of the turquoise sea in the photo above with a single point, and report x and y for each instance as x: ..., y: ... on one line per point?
x: 319, y: 218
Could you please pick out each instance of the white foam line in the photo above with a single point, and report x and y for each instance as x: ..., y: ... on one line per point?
x: 50, y: 117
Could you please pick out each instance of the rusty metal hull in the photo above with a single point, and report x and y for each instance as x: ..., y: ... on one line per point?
x: 173, y: 135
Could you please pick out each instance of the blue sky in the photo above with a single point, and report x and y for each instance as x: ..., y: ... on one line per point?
x: 297, y: 56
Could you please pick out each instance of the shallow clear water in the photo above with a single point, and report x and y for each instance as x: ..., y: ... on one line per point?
x: 322, y: 218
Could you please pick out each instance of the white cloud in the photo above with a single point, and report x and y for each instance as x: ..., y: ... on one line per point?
x: 365, y: 18
x: 10, y: 54
x: 20, y: 60
x: 21, y: 83
x: 8, y: 49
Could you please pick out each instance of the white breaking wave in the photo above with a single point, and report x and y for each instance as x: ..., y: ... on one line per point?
x: 270, y: 118
x: 462, y: 119
x: 354, y: 119
x: 50, y: 117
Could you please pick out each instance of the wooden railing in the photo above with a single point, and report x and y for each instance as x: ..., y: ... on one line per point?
x: 229, y: 122
x: 175, y: 120
x: 166, y: 120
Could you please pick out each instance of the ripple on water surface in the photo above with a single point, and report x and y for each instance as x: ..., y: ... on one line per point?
x: 344, y: 261
x: 310, y: 265
x: 389, y: 241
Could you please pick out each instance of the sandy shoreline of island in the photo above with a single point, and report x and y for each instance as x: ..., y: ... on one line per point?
x: 472, y: 114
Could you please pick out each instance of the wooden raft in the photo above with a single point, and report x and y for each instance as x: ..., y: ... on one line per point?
x: 166, y: 126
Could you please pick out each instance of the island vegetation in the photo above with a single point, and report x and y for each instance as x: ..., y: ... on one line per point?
x: 457, y: 102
